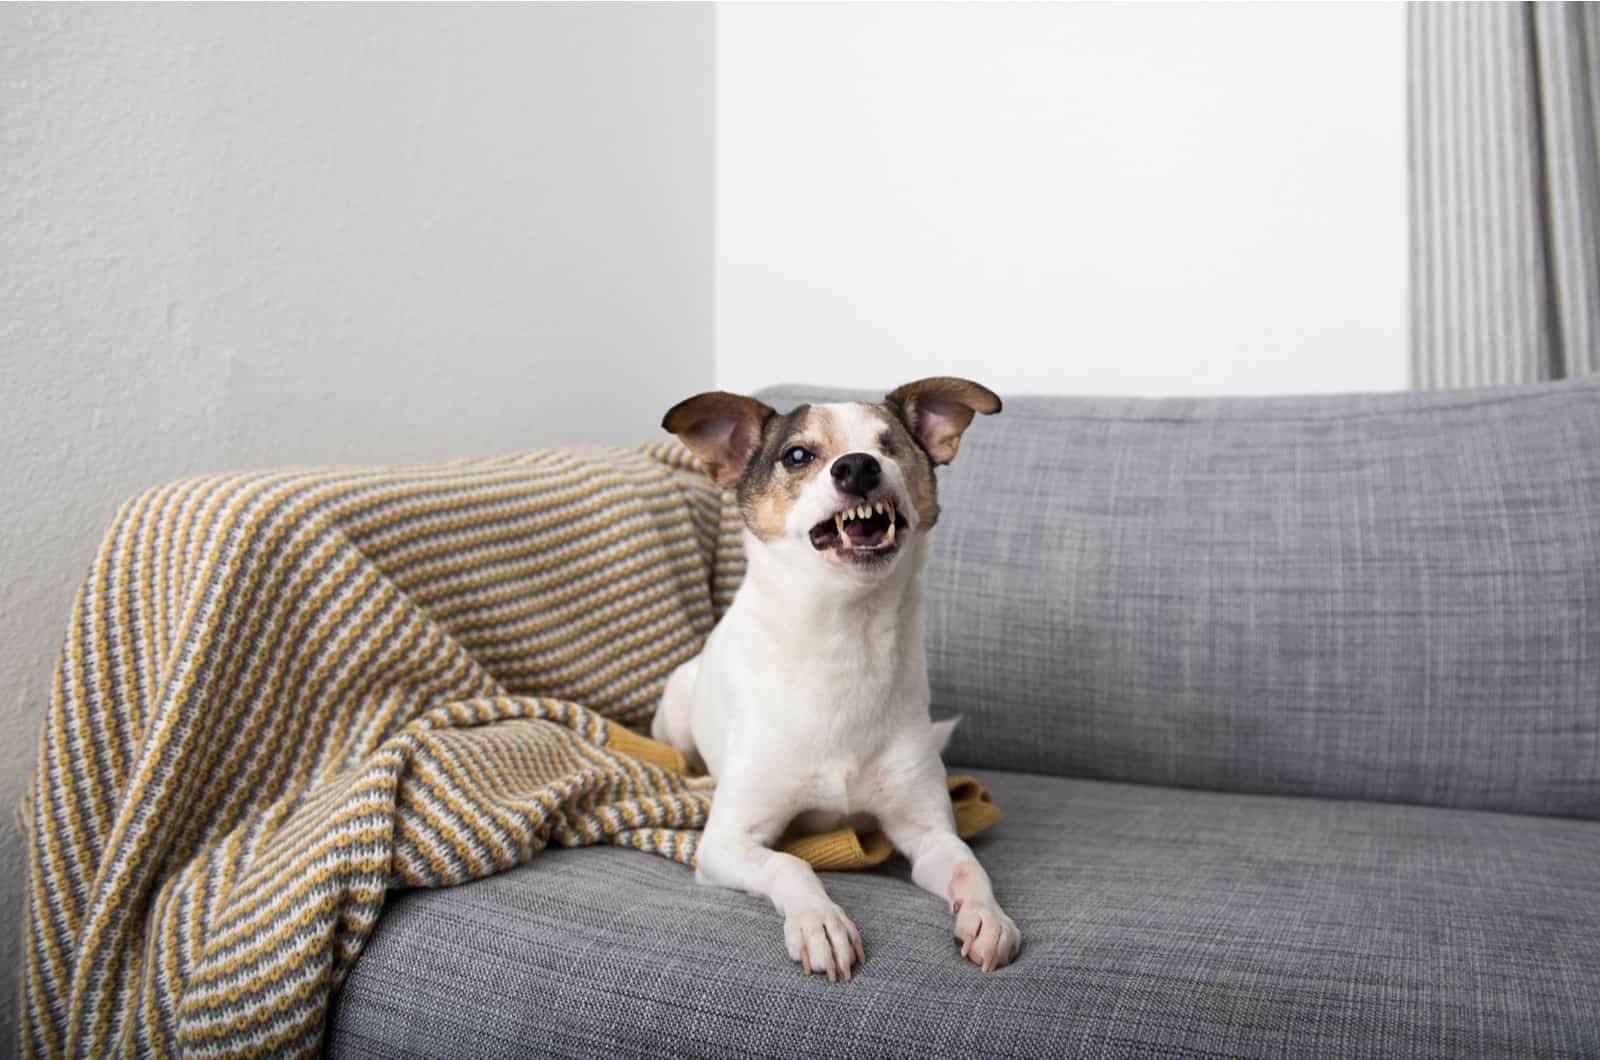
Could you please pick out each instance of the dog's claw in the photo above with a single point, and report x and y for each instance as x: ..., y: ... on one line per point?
x: 824, y: 940
x: 988, y: 937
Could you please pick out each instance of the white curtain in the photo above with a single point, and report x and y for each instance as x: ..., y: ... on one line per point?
x: 1505, y: 192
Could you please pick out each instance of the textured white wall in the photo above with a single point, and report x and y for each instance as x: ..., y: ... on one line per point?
x: 1094, y: 198
x: 236, y: 236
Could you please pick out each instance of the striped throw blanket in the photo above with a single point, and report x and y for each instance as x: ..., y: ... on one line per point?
x: 283, y: 694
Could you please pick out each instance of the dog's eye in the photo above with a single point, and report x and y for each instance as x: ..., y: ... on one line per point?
x: 797, y: 457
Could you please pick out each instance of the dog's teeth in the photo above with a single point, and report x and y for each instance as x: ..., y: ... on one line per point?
x: 838, y: 522
x: 889, y: 537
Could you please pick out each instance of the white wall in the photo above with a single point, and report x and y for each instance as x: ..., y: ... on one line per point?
x: 1099, y: 198
x: 235, y: 236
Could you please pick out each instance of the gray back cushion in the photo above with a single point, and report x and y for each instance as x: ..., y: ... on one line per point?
x: 1391, y: 597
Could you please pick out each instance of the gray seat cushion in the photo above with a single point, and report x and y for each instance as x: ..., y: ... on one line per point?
x: 1156, y: 921
x: 1391, y: 596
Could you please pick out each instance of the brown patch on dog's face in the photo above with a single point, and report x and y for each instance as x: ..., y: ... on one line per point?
x: 896, y: 443
x: 771, y: 482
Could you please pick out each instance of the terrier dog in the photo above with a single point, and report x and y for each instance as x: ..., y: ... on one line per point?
x: 809, y: 702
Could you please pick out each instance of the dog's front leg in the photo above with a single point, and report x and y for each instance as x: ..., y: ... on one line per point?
x: 734, y: 853
x: 924, y: 830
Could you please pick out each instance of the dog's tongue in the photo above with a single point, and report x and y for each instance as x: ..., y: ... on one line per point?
x: 866, y: 533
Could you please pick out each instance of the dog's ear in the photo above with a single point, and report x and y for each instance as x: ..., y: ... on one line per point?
x: 722, y: 429
x: 938, y: 409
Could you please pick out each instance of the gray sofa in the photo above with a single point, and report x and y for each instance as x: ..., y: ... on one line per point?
x: 1292, y: 706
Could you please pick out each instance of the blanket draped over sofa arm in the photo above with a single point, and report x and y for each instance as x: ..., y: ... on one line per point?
x: 283, y: 693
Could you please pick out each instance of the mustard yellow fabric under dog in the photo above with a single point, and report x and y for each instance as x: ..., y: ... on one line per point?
x: 284, y: 693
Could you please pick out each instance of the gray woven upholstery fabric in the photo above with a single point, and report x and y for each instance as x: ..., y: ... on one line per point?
x: 1391, y: 597
x: 1156, y: 922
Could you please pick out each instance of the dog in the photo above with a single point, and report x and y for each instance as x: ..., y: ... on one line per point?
x: 809, y: 702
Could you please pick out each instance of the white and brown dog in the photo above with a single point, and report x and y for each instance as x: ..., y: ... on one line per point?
x: 809, y: 703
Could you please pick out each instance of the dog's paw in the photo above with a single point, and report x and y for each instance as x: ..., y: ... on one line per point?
x: 988, y: 937
x: 824, y: 940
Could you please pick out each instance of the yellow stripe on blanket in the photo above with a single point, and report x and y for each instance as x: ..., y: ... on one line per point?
x: 283, y: 694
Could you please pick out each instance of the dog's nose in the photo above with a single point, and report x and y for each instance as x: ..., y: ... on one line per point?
x: 857, y: 473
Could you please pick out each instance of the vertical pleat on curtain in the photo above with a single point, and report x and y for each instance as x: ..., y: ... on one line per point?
x: 1504, y: 111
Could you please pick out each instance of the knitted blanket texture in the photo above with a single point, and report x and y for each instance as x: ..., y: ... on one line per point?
x: 284, y: 693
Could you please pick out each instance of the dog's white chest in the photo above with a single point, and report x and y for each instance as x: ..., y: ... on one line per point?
x: 842, y: 789
x: 835, y: 798
x: 831, y: 789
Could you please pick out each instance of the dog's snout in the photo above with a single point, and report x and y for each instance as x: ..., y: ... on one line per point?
x: 857, y: 473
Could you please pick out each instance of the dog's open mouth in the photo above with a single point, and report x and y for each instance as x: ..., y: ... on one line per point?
x: 866, y: 531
